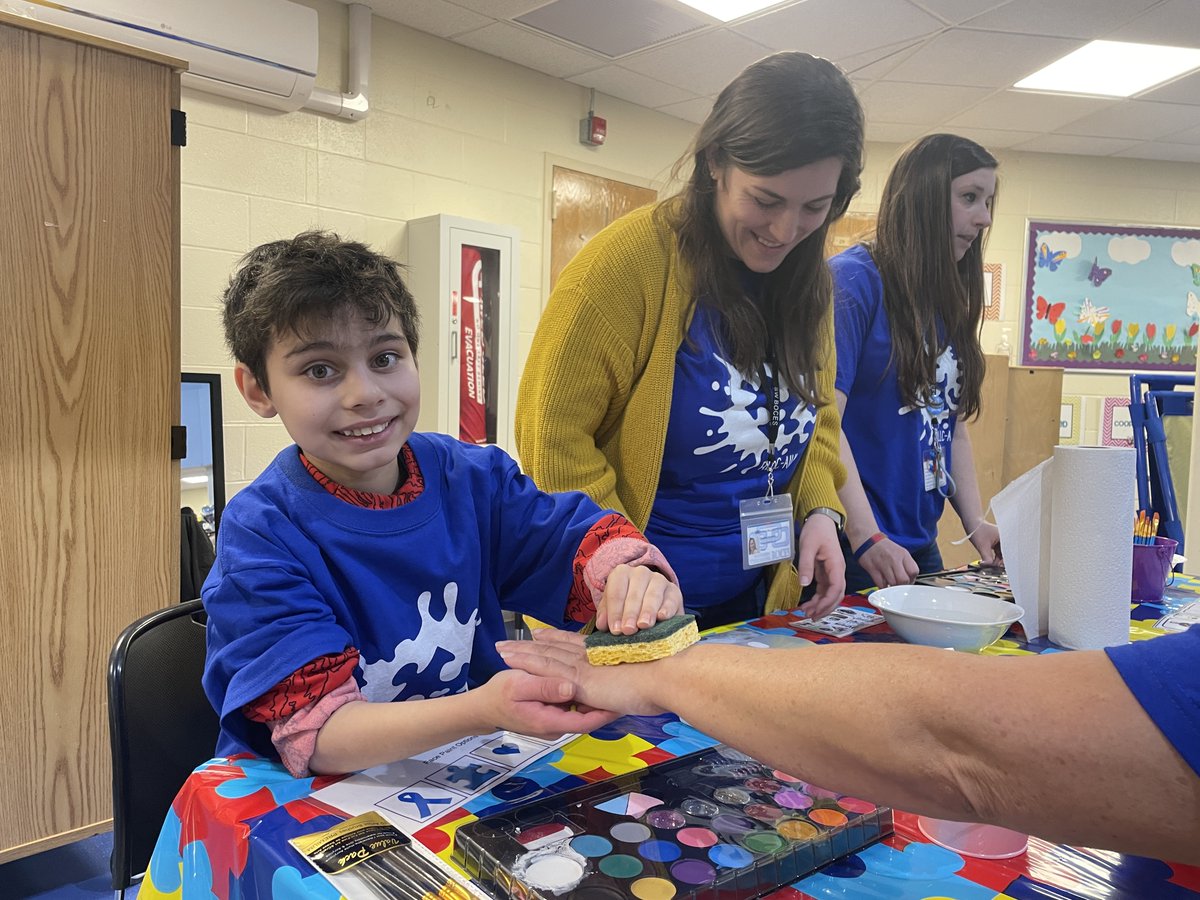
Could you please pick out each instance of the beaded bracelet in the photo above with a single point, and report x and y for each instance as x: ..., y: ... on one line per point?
x: 869, y: 543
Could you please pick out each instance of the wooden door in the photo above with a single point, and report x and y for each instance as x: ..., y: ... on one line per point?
x: 88, y: 492
x: 583, y: 204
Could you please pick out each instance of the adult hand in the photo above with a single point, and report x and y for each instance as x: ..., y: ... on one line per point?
x: 820, y: 558
x: 888, y: 563
x: 635, y: 597
x: 538, y: 706
x: 558, y: 657
x: 986, y: 538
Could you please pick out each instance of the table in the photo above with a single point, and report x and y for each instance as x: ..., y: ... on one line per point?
x: 226, y: 835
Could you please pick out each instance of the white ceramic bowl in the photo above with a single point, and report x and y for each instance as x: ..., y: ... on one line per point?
x: 941, y: 617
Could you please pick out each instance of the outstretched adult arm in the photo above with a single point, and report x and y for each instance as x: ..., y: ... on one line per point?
x: 1054, y: 745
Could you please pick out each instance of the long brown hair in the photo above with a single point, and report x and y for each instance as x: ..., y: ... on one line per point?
x: 922, y: 281
x: 783, y: 112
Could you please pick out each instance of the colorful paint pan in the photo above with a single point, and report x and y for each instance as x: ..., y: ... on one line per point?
x: 619, y: 865
x: 733, y: 796
x: 666, y: 819
x: 829, y: 817
x: 659, y: 851
x: 630, y: 832
x: 854, y: 805
x: 727, y: 856
x: 696, y: 837
x: 592, y: 846
x: 653, y: 889
x: 695, y: 828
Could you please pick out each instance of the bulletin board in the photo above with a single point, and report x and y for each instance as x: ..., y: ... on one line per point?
x: 1111, y: 297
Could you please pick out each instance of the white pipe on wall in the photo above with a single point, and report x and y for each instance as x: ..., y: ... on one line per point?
x: 352, y: 104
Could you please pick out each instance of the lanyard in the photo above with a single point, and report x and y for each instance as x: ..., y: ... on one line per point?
x: 772, y: 424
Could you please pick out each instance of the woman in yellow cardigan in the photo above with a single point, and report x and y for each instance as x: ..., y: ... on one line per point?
x: 682, y: 373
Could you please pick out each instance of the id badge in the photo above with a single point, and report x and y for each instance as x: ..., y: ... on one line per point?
x: 768, y: 525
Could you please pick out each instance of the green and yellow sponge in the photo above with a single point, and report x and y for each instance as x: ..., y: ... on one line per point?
x: 661, y: 639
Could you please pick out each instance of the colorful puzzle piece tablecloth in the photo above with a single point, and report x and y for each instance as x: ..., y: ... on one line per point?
x: 226, y: 835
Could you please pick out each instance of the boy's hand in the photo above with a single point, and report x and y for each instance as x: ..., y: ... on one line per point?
x: 635, y: 597
x: 540, y: 707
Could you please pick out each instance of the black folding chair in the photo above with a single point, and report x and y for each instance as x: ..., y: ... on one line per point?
x: 161, y: 726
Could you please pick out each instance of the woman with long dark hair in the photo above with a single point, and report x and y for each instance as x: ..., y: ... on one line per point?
x: 682, y: 372
x: 908, y: 308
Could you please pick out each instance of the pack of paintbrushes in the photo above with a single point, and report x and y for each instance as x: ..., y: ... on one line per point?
x: 367, y: 858
x: 713, y: 824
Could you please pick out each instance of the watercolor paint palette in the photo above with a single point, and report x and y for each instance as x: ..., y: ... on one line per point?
x: 706, y: 825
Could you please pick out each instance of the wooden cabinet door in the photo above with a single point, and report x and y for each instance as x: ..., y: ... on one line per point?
x: 90, y: 339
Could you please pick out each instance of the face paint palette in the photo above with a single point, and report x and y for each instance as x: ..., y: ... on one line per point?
x: 709, y: 824
x: 990, y: 581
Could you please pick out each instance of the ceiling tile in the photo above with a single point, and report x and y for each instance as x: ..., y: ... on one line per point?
x: 1082, y: 146
x: 1181, y: 90
x: 824, y: 28
x: 893, y: 133
x: 996, y: 138
x: 1137, y: 119
x: 524, y: 47
x: 955, y: 12
x: 702, y: 64
x: 496, y: 9
x: 689, y: 110
x: 434, y: 17
x: 1028, y: 111
x: 1189, y: 153
x: 1190, y: 136
x: 1088, y: 19
x: 1175, y: 23
x: 614, y: 27
x: 919, y: 104
x: 880, y: 63
x: 633, y: 86
x: 959, y: 56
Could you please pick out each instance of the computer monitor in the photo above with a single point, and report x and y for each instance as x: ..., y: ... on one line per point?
x: 202, y: 471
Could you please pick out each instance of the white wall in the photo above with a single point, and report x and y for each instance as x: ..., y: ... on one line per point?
x: 455, y: 131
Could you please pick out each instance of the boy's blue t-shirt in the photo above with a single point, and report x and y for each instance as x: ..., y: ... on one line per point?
x: 893, y: 443
x: 715, y: 454
x: 1164, y: 675
x: 419, y: 590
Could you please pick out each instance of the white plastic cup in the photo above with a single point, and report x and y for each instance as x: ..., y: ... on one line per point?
x: 973, y: 839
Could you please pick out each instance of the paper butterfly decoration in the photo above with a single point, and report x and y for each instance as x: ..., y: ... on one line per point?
x: 1098, y: 274
x: 1049, y: 311
x: 1193, y: 305
x: 1196, y: 273
x: 1048, y: 259
x: 1092, y: 314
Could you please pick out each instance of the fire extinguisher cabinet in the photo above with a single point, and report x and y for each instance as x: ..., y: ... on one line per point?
x: 465, y: 275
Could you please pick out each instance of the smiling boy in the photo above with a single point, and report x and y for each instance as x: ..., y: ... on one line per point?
x: 370, y: 563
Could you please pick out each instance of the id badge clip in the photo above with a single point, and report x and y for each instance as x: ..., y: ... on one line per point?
x: 767, y: 530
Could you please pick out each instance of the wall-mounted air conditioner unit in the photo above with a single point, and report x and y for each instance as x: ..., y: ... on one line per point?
x: 259, y: 51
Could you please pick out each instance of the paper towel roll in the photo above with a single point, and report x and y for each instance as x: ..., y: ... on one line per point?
x: 1091, y: 546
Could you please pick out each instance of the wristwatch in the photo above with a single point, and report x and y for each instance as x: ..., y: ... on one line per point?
x: 839, y: 520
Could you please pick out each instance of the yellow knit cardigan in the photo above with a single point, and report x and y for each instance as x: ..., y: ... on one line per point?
x: 595, y: 395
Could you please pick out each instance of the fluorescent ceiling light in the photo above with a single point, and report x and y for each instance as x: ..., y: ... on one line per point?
x: 1113, y: 69
x: 727, y: 10
x: 194, y: 479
